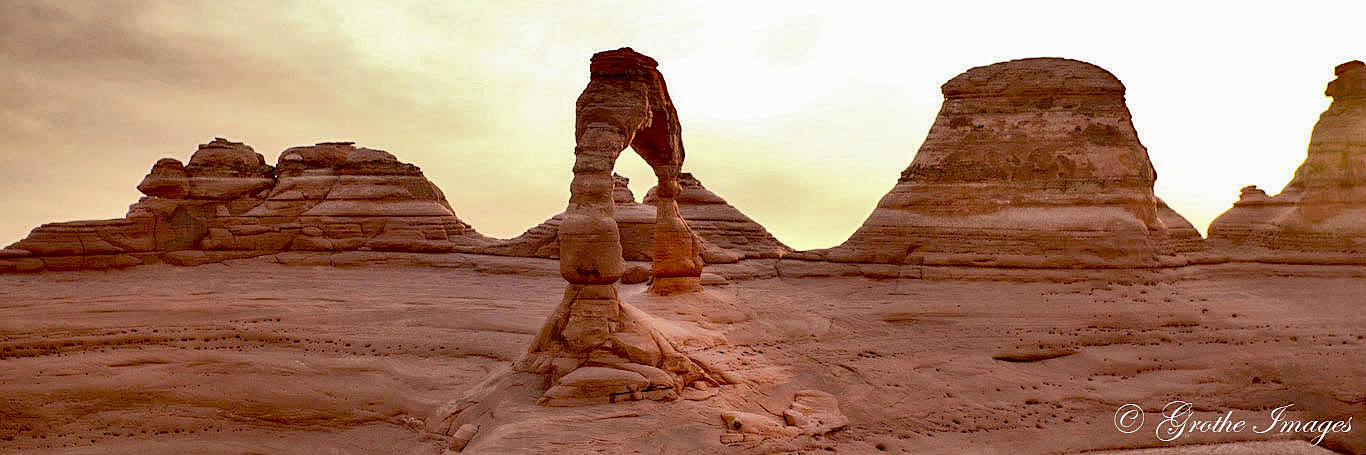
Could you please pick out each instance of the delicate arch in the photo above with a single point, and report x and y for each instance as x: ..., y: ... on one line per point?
x: 626, y: 103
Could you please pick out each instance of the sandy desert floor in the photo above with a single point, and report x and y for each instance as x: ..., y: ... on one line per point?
x: 263, y: 358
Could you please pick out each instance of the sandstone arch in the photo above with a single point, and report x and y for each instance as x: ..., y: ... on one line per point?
x: 594, y: 347
x: 626, y: 103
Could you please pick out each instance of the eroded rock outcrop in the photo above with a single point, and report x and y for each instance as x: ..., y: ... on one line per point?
x: 594, y: 348
x: 725, y: 234
x: 635, y: 224
x: 721, y: 224
x: 1320, y: 216
x: 1030, y: 163
x: 227, y: 202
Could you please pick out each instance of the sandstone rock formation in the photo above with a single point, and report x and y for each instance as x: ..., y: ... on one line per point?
x: 227, y: 202
x: 594, y: 347
x: 721, y: 224
x: 726, y: 235
x: 635, y: 224
x: 1320, y: 216
x: 812, y: 412
x: 1030, y: 163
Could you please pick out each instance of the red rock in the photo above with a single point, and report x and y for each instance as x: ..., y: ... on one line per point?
x: 224, y: 169
x: 167, y: 179
x: 1321, y: 214
x: 624, y: 104
x: 327, y: 155
x: 740, y: 424
x: 76, y: 238
x: 724, y: 233
x: 815, y: 412
x: 635, y: 274
x: 462, y: 437
x: 638, y: 348
x: 591, y: 385
x: 1030, y: 163
x: 329, y: 197
x: 721, y: 224
x: 657, y: 378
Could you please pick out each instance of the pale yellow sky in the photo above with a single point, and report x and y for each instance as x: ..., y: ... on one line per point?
x: 800, y: 114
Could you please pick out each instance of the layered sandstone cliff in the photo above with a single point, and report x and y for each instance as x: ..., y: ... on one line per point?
x: 1320, y: 216
x: 721, y: 224
x: 227, y: 202
x: 1030, y: 163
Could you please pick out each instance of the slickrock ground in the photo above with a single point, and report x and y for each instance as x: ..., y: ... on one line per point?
x: 253, y: 357
x: 1319, y: 216
x: 1030, y: 163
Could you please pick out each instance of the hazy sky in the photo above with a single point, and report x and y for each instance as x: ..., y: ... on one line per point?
x: 800, y: 114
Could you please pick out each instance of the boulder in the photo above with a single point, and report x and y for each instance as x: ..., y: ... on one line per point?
x: 815, y: 412
x: 758, y: 425
x: 721, y: 224
x: 462, y: 437
x: 222, y: 169
x: 593, y: 383
x: 167, y: 179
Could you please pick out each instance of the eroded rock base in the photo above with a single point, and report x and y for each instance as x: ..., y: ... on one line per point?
x: 597, y: 349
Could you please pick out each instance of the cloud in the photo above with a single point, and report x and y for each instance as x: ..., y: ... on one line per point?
x: 799, y: 114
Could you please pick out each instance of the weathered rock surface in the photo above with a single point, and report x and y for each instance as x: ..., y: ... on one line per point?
x: 1030, y: 163
x: 227, y: 203
x: 1320, y: 216
x: 725, y: 234
x: 812, y: 412
x: 721, y: 224
x: 91, y: 335
x: 635, y: 223
x: 815, y: 412
x: 750, y: 427
x: 462, y: 437
x: 593, y: 347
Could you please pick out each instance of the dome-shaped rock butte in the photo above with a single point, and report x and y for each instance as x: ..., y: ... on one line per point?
x: 228, y: 203
x: 1320, y: 216
x: 725, y: 234
x: 1030, y: 163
